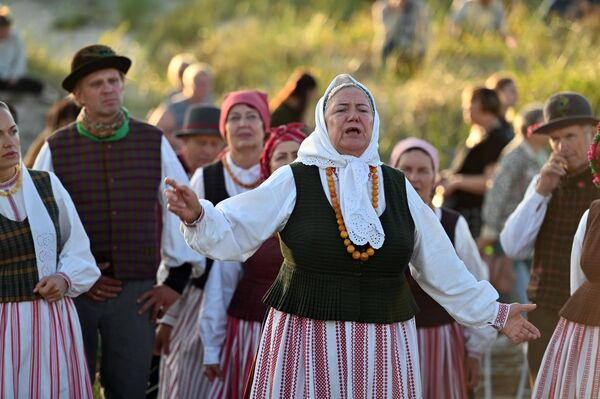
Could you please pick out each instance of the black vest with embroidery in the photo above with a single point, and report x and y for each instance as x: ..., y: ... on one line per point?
x: 320, y: 280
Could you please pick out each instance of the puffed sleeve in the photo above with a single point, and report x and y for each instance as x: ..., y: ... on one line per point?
x: 75, y: 261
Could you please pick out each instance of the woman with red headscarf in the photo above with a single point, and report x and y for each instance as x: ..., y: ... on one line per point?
x: 232, y: 312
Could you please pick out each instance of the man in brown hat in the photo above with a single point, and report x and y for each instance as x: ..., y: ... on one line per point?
x: 113, y: 166
x: 546, y: 220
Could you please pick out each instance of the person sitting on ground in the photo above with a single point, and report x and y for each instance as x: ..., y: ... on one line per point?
x: 13, y: 61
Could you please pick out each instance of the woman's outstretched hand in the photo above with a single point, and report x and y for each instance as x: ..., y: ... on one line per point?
x: 182, y: 201
x: 517, y: 329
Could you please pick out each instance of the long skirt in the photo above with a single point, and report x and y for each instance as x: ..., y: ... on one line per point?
x: 181, y: 372
x: 571, y: 364
x: 41, y: 351
x: 239, y: 350
x: 305, y: 358
x: 442, y: 358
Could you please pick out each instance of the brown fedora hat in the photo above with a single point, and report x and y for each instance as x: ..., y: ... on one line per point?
x: 91, y: 59
x: 200, y: 119
x: 566, y: 109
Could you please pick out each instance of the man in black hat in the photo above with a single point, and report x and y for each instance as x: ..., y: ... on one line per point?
x: 114, y: 166
x: 200, y: 137
x: 546, y: 220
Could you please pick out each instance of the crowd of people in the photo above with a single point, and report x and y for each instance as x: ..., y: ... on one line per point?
x: 229, y: 251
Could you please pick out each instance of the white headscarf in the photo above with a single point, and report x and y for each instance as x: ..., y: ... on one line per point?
x: 361, y: 220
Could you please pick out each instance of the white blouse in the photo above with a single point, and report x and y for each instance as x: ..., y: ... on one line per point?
x: 225, y: 276
x: 174, y: 250
x: 236, y: 227
x: 75, y: 260
x: 523, y: 225
x: 577, y: 275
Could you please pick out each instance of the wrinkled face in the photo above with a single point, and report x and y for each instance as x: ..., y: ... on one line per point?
x: 200, y: 150
x: 101, y: 93
x: 10, y: 149
x: 349, y: 121
x: 509, y: 95
x: 572, y: 142
x: 418, y: 169
x: 244, y: 128
x: 285, y: 153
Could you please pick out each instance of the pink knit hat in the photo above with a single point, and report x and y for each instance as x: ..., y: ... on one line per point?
x: 255, y: 99
x: 410, y: 144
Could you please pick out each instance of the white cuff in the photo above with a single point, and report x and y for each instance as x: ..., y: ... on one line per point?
x: 212, y: 355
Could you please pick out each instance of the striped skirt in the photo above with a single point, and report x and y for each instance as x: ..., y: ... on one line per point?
x: 306, y: 358
x: 41, y: 351
x: 442, y: 358
x: 239, y: 350
x: 181, y: 373
x: 571, y: 364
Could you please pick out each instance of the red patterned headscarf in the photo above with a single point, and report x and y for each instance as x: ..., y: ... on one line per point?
x: 290, y: 132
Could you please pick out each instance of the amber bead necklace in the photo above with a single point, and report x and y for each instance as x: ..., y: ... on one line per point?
x: 15, y: 188
x: 351, y: 249
x: 236, y: 180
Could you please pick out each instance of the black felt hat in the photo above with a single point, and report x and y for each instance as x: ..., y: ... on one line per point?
x: 200, y: 119
x: 566, y: 109
x: 91, y: 59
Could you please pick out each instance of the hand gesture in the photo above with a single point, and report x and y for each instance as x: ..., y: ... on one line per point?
x: 52, y: 288
x: 550, y: 174
x: 182, y: 201
x: 472, y: 372
x: 517, y: 329
x: 213, y: 371
x: 105, y: 288
x: 162, y: 339
x: 160, y: 298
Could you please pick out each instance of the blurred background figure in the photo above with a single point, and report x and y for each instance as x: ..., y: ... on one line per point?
x: 479, y: 16
x: 520, y: 162
x: 401, y: 32
x: 13, y: 61
x: 197, y: 89
x: 59, y: 115
x: 506, y: 89
x: 292, y: 101
x: 466, y: 182
x: 177, y: 66
x: 200, y: 139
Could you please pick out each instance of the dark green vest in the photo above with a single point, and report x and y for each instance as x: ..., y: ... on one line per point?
x: 18, y: 265
x: 320, y: 280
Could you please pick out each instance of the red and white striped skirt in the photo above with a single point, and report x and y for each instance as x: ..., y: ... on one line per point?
x: 237, y: 359
x: 442, y: 358
x: 41, y: 351
x: 571, y: 364
x: 181, y: 373
x: 306, y: 358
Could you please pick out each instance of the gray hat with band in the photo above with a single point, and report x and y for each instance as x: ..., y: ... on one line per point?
x: 566, y: 109
x: 200, y: 120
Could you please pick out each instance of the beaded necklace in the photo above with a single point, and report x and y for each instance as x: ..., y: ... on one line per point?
x: 236, y: 180
x: 15, y: 188
x: 351, y: 249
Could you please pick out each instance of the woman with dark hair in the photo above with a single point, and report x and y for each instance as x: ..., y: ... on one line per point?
x: 60, y: 114
x: 290, y: 104
x: 506, y: 89
x: 466, y: 181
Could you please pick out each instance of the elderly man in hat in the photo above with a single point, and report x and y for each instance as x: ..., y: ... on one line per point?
x: 113, y: 166
x: 200, y: 139
x: 547, y: 218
